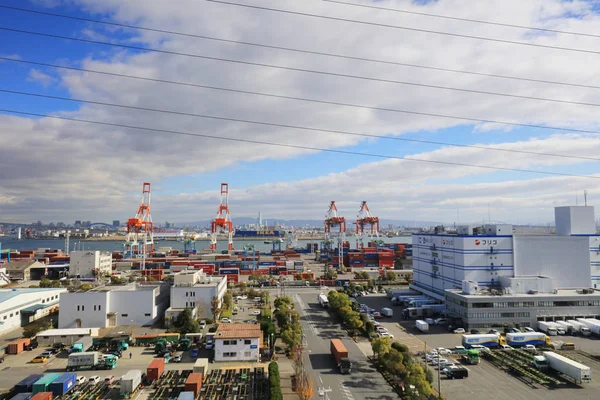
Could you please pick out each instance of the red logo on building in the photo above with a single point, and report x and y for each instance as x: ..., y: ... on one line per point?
x: 477, y: 242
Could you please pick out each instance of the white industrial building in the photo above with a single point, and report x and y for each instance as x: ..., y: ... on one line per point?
x: 238, y: 342
x: 85, y: 264
x: 19, y: 307
x: 134, y: 304
x: 195, y: 290
x: 64, y: 336
x: 489, y: 253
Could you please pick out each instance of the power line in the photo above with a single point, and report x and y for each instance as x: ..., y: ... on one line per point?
x: 261, y: 142
x: 304, y: 51
x: 305, y: 128
x: 533, y: 28
x: 339, y: 75
x: 406, y: 28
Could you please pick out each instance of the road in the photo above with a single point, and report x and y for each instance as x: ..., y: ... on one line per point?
x: 365, y: 383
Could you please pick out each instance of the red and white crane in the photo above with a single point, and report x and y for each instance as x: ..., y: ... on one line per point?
x: 364, y: 218
x: 333, y: 220
x: 140, y: 229
x: 222, y: 222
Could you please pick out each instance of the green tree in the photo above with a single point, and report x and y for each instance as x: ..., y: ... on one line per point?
x: 290, y: 337
x: 185, y: 323
x: 354, y: 321
x: 85, y: 287
x: 416, y: 377
x: 215, y: 308
x: 381, y: 346
x: 243, y: 287
x: 330, y: 274
x: 345, y: 312
x: 402, y: 348
x: 391, y: 276
x: 284, y: 301
x: 47, y: 283
x: 361, y: 275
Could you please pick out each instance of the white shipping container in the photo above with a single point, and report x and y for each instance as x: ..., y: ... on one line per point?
x: 131, y: 381
x: 83, y: 359
x: 591, y: 324
x: 422, y: 325
x: 578, y: 372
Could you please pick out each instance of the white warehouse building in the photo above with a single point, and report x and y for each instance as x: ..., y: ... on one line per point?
x: 134, y: 304
x: 488, y: 254
x: 19, y: 307
x: 84, y: 263
x: 195, y: 290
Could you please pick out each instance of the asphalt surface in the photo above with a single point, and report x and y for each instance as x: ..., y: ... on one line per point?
x: 365, y: 383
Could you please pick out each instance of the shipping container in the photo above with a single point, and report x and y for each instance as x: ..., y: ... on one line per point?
x: 22, y: 396
x: 25, y: 385
x: 155, y: 369
x: 193, y: 383
x: 18, y: 346
x: 41, y: 385
x: 63, y: 384
x: 42, y: 396
x: 131, y: 381
x: 186, y: 396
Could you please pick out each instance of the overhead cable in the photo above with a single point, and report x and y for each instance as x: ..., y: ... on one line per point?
x: 288, y: 126
x: 300, y: 147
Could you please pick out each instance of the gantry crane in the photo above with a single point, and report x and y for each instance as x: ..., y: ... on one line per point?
x: 222, y: 221
x: 364, y: 218
x: 140, y: 230
x: 333, y: 220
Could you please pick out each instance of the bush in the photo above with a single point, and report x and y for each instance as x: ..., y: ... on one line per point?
x: 402, y: 348
x: 275, y: 382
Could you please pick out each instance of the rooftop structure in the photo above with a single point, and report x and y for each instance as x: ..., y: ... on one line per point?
x: 195, y: 290
x: 19, y: 307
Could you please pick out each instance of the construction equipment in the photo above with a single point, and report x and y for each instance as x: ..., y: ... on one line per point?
x: 140, y: 230
x: 222, y: 221
x: 364, y: 218
x: 333, y: 220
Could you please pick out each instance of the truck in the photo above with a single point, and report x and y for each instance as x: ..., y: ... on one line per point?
x: 323, y: 301
x: 579, y: 328
x: 472, y: 357
x: 420, y: 302
x: 422, y: 325
x: 524, y: 338
x: 391, y: 293
x: 82, y: 345
x: 340, y: 354
x: 130, y: 382
x: 548, y: 328
x: 90, y: 360
x: 63, y: 384
x: 540, y: 363
x: 184, y: 344
x: 426, y: 310
x: 592, y: 324
x: 387, y: 312
x: 491, y: 340
x: 401, y: 300
x: 574, y: 371
x: 567, y: 327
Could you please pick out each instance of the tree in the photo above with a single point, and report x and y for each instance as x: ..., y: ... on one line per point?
x: 391, y: 276
x: 330, y: 274
x: 381, y: 346
x: 416, y: 377
x: 306, y: 389
x: 243, y: 287
x: 284, y: 301
x: 215, y: 308
x: 85, y: 287
x: 345, y: 312
x: 47, y: 283
x: 31, y: 330
x: 354, y: 321
x: 362, y: 275
x: 402, y: 348
x: 185, y: 323
x: 290, y: 337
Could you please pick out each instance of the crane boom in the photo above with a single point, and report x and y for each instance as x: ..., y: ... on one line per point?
x: 222, y: 222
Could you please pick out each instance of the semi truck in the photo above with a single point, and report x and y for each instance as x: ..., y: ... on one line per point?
x: 422, y: 325
x: 472, y: 357
x: 340, y: 354
x: 548, y: 328
x: 401, y: 300
x: 525, y: 338
x: 82, y: 345
x: 323, y: 301
x: 567, y: 327
x: 492, y: 340
x: 90, y: 360
x: 574, y: 371
x: 579, y: 328
x: 592, y: 324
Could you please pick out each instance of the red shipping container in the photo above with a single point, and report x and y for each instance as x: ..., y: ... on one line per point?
x: 18, y: 346
x: 193, y: 383
x: 155, y: 369
x: 42, y: 396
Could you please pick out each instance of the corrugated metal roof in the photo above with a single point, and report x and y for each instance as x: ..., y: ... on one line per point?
x: 7, y: 294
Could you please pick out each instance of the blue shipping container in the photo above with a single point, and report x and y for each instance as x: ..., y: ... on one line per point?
x: 25, y: 385
x: 22, y: 396
x: 63, y: 384
x: 186, y: 396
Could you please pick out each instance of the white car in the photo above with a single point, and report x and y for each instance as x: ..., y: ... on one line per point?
x: 255, y: 312
x: 385, y: 334
x: 459, y: 330
x: 528, y: 329
x: 202, y: 324
x: 209, y: 345
x: 441, y: 321
x: 80, y: 380
x: 437, y: 361
x: 444, y: 352
x: 323, y: 288
x: 94, y: 379
x: 506, y: 347
x: 380, y: 329
x: 225, y: 320
x: 529, y: 347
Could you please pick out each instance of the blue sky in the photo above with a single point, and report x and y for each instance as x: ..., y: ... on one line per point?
x: 207, y: 163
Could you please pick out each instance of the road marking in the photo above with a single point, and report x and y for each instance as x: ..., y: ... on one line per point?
x: 346, y: 392
x: 303, y: 313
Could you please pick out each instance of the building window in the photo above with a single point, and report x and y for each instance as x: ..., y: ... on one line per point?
x: 247, y: 354
x: 94, y: 308
x: 99, y: 308
x: 78, y: 308
x: 5, y: 317
x: 232, y: 354
x: 11, y: 314
x: 82, y: 308
x: 124, y: 315
x: 247, y: 341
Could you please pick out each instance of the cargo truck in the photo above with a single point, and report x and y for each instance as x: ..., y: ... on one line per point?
x: 422, y: 326
x: 579, y: 328
x: 90, y: 360
x: 130, y: 382
x: 525, y: 338
x: 567, y: 327
x: 574, y: 371
x: 548, y: 328
x: 82, y: 345
x: 391, y: 293
x: 340, y: 354
x: 472, y: 357
x: 491, y: 340
x: 387, y: 312
x: 426, y: 310
x: 323, y: 301
x: 592, y: 324
x: 420, y: 303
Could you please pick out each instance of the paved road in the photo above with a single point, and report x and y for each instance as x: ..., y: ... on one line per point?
x: 365, y: 383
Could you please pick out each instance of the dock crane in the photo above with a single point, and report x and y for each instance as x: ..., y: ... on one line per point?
x: 222, y: 222
x: 333, y: 220
x: 140, y: 230
x: 364, y: 218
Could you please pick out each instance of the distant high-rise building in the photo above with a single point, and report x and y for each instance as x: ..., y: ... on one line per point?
x: 116, y: 223
x: 167, y: 225
x: 259, y: 220
x: 77, y: 224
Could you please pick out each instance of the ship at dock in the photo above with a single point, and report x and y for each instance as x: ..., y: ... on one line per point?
x: 259, y: 233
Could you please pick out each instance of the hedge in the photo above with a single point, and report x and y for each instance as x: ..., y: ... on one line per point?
x: 275, y: 382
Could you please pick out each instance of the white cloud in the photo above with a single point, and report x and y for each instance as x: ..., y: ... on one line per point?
x: 35, y: 75
x: 97, y: 171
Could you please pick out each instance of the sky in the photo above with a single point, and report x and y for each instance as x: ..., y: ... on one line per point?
x: 62, y: 170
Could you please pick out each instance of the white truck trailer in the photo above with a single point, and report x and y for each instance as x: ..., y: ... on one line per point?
x: 548, y: 328
x: 579, y: 328
x: 422, y: 326
x: 131, y: 381
x: 567, y: 327
x: 559, y: 328
x: 592, y: 324
x: 323, y: 301
x: 575, y: 371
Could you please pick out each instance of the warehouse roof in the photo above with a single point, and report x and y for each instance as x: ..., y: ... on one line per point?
x: 7, y: 294
x: 238, y: 331
x: 20, y: 265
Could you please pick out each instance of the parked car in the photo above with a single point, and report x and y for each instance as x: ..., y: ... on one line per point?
x: 528, y: 329
x: 255, y: 312
x: 385, y: 334
x: 475, y: 332
x: 202, y: 324
x: 94, y: 379
x: 257, y: 299
x: 80, y: 380
x: 430, y: 321
x: 494, y: 331
x: 177, y: 358
x: 437, y: 361
x: 39, y: 359
x: 226, y: 320
x: 377, y: 315
x: 529, y: 347
x: 209, y: 345
x: 459, y: 330
x: 505, y: 347
x: 194, y: 352
x: 109, y: 380
x: 323, y: 288
x: 442, y: 351
x: 47, y: 354
x: 441, y: 321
